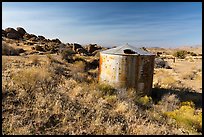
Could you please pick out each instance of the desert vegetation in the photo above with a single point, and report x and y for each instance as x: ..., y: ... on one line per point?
x: 57, y: 93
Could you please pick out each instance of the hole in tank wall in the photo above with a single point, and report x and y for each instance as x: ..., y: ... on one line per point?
x: 129, y: 51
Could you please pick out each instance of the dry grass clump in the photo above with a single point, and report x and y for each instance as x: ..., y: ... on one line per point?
x: 30, y: 79
x: 35, y: 60
x: 8, y: 50
x: 78, y: 66
x: 169, y: 102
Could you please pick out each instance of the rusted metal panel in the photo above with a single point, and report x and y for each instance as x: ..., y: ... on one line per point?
x: 127, y: 70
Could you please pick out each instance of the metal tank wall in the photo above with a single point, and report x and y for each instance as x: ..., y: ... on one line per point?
x: 127, y: 71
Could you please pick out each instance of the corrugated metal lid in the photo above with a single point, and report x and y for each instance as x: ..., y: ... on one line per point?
x: 126, y: 50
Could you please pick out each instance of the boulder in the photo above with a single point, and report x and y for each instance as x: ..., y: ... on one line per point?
x: 21, y: 31
x: 61, y: 47
x: 11, y: 33
x: 40, y: 38
x: 20, y: 50
x: 10, y: 30
x: 76, y: 46
x: 3, y: 33
x: 33, y: 36
x: 82, y: 51
x: 160, y: 63
x: 13, y: 36
x: 56, y: 41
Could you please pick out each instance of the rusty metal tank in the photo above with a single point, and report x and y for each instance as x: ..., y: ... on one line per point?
x: 127, y: 67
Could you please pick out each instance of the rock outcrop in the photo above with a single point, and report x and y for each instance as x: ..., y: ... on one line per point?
x: 39, y: 43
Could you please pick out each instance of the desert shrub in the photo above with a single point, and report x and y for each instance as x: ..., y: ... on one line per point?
x: 169, y: 102
x: 111, y: 99
x: 180, y: 54
x: 78, y: 72
x: 30, y: 79
x: 193, y: 54
x: 35, y: 60
x: 8, y: 50
x: 60, y: 70
x: 78, y: 66
x: 67, y: 54
x: 26, y: 79
x: 106, y: 89
x: 47, y: 80
x: 145, y: 100
x: 185, y: 116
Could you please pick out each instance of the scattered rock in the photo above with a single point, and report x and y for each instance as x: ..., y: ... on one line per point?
x: 93, y: 47
x: 20, y: 50
x: 39, y: 48
x: 26, y: 36
x: 76, y: 46
x: 34, y: 39
x: 81, y: 51
x: 40, y: 38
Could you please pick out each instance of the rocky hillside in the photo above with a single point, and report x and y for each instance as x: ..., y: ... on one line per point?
x: 28, y: 43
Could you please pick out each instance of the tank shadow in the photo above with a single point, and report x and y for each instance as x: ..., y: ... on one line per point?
x: 184, y: 94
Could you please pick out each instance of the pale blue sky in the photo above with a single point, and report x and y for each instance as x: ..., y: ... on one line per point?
x: 150, y: 24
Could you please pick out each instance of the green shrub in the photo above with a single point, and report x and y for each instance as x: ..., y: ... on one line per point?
x: 180, y: 54
x: 145, y: 100
x: 186, y: 117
